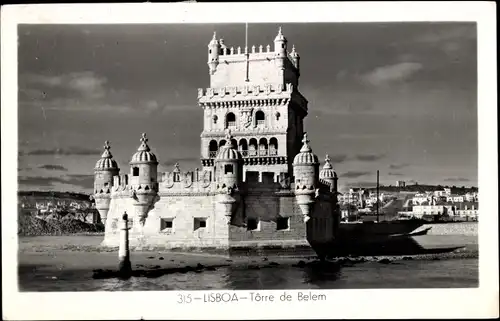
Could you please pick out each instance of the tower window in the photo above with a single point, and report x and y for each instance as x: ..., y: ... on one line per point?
x: 177, y: 177
x: 260, y: 118
x: 135, y: 171
x: 230, y: 120
x: 282, y: 223
x: 228, y: 169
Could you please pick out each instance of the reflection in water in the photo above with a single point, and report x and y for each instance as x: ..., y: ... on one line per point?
x: 410, y: 274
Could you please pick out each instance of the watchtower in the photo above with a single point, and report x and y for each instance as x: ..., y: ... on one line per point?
x: 254, y: 93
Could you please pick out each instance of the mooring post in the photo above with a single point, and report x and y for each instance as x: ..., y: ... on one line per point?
x: 124, y: 267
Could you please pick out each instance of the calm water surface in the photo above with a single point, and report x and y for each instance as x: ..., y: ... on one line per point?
x: 405, y: 274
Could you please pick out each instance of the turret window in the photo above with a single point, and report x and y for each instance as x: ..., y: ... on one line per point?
x: 228, y: 169
x: 135, y: 171
x: 177, y: 177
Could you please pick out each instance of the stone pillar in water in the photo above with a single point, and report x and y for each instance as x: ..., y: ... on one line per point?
x: 124, y: 267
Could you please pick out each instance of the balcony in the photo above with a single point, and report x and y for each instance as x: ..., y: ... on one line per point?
x: 231, y: 124
x: 261, y: 122
x: 250, y: 153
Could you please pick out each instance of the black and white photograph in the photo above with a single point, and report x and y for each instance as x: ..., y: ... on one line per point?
x: 249, y: 162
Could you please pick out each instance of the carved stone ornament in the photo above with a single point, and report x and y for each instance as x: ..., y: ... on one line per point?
x: 267, y: 89
x: 233, y: 91
x: 188, y: 179
x: 169, y: 180
x: 244, y: 90
x: 206, y: 179
x: 222, y: 91
x: 200, y: 92
x: 289, y: 88
x: 210, y: 92
x: 284, y: 181
x: 256, y: 90
x: 279, y: 88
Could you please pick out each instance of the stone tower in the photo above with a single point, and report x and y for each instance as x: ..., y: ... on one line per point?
x: 254, y: 93
x: 143, y: 180
x: 306, y: 175
x: 104, y: 171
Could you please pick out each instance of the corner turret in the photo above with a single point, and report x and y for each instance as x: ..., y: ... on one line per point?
x: 228, y: 177
x: 328, y: 174
x: 295, y: 58
x: 144, y: 174
x: 214, y: 49
x: 280, y: 49
x: 104, y: 171
x: 305, y: 171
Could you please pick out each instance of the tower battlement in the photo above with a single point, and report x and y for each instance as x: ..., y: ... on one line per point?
x: 252, y: 65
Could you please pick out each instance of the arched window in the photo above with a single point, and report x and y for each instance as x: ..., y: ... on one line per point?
x: 234, y: 143
x: 273, y: 146
x: 243, y: 147
x: 212, y: 149
x: 222, y: 143
x: 260, y: 118
x: 252, y: 147
x: 263, y: 147
x: 135, y: 171
x: 230, y: 120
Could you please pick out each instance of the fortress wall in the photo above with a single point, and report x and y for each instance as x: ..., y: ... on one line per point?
x: 267, y: 208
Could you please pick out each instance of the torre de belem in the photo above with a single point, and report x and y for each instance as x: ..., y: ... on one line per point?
x: 260, y: 185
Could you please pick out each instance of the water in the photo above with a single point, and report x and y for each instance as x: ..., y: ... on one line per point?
x: 450, y: 273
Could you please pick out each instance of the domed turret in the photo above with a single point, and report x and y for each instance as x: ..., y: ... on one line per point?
x: 104, y: 170
x: 228, y: 165
x: 228, y: 171
x: 305, y: 171
x: 213, y: 54
x: 306, y: 156
x: 144, y: 172
x: 295, y: 58
x: 280, y: 45
x: 328, y: 174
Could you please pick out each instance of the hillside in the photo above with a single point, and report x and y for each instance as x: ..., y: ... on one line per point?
x: 418, y: 188
x: 55, y: 195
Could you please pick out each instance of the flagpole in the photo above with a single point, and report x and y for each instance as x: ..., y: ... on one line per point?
x: 246, y: 51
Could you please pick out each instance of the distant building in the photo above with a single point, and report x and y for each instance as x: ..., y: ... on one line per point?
x: 400, y: 183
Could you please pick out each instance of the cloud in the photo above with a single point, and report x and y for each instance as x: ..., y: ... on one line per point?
x: 395, y: 174
x: 369, y: 157
x: 40, y: 181
x: 354, y: 174
x: 54, y: 167
x: 82, y: 180
x: 62, y: 151
x: 391, y: 73
x: 457, y: 179
x: 87, y: 83
x: 398, y: 166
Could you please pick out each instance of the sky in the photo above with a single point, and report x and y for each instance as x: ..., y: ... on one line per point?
x: 396, y: 97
